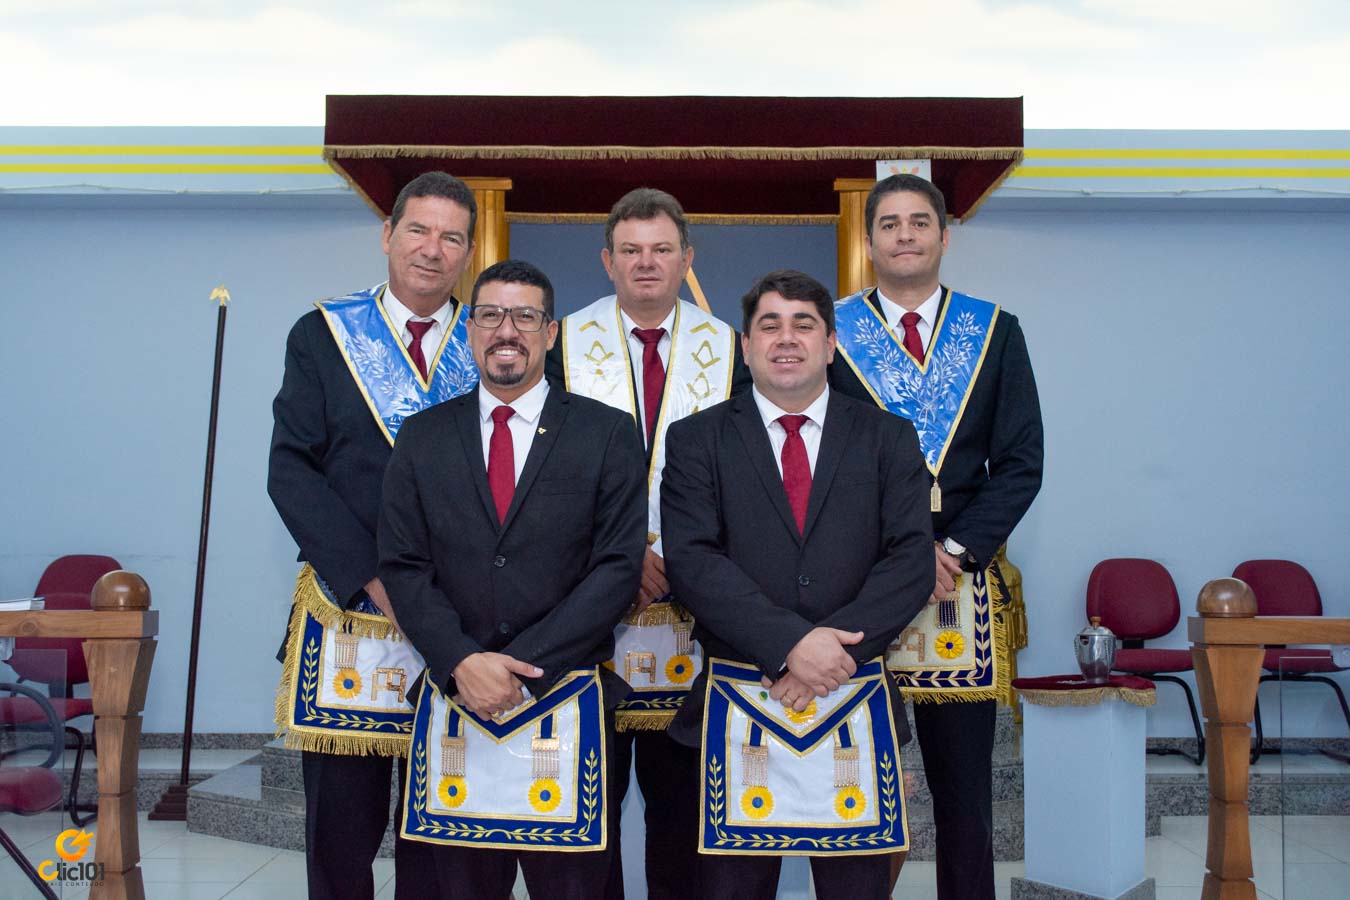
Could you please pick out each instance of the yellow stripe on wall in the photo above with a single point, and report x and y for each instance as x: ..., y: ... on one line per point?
x: 170, y: 168
x: 1180, y: 153
x: 156, y: 150
x: 1081, y: 172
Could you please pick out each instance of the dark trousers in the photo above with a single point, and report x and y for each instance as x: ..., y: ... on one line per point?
x: 346, y: 813
x: 957, y: 741
x: 756, y: 877
x: 667, y: 774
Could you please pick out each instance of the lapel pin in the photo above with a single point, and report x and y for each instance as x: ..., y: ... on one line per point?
x: 542, y: 430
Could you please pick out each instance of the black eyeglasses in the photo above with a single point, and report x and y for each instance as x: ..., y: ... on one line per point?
x: 525, y: 318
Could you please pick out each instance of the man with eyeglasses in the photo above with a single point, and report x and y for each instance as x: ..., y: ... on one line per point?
x: 511, y: 540
x: 657, y: 358
x: 355, y: 369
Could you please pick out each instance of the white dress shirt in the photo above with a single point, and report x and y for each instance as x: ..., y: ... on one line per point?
x: 524, y: 424
x: 635, y: 355
x: 400, y: 315
x: 810, y: 430
x: 927, y: 310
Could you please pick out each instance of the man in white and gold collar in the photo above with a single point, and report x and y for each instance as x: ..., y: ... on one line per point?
x: 658, y: 358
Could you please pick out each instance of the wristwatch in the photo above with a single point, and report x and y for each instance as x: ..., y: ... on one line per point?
x: 955, y: 548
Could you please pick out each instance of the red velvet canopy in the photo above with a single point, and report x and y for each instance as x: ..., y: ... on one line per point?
x: 720, y: 155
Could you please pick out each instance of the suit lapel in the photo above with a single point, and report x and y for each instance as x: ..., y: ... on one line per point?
x: 834, y: 438
x: 470, y: 428
x: 751, y: 427
x: 550, y: 423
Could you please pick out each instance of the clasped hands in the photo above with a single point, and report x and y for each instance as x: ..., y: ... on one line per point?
x: 817, y: 665
x: 489, y: 683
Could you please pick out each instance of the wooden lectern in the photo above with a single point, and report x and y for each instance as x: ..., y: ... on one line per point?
x: 119, y: 649
x: 1228, y: 642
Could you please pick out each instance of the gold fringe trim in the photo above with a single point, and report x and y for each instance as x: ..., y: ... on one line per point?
x: 529, y: 218
x: 630, y: 152
x: 1090, y: 696
x: 1002, y: 690
x: 308, y: 598
x: 658, y: 614
x: 643, y: 721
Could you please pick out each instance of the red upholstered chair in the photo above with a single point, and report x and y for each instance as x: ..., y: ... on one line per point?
x: 1137, y: 599
x: 28, y: 790
x: 1285, y: 588
x: 65, y: 584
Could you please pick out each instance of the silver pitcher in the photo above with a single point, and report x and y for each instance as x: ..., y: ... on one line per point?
x: 1095, y: 648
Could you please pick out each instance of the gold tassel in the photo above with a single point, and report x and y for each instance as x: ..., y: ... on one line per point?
x: 544, y: 751
x: 754, y: 760
x: 846, y: 772
x: 684, y: 639
x: 452, y: 747
x: 344, y: 650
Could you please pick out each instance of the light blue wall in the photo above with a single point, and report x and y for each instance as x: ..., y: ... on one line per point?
x: 1190, y: 368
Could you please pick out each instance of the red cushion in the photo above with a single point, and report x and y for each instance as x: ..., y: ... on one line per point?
x: 28, y: 790
x: 1282, y: 588
x: 77, y: 573
x: 24, y: 710
x: 1135, y: 598
x: 1150, y: 662
x: 1300, y: 661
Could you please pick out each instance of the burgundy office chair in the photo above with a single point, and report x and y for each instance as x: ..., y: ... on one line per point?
x: 28, y: 790
x: 66, y: 584
x: 1137, y: 599
x: 1285, y: 588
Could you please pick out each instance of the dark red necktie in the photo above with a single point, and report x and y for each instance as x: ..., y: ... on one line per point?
x: 796, y: 468
x: 913, y: 343
x: 501, y: 462
x: 653, y: 375
x: 419, y: 330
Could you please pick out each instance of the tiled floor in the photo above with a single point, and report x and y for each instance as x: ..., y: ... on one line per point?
x: 182, y: 866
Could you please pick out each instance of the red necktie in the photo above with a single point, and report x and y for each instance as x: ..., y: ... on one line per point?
x: 913, y: 343
x: 796, y: 468
x: 501, y: 462
x: 418, y: 329
x: 653, y: 375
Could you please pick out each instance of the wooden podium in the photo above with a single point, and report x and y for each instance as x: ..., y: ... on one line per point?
x: 1228, y: 643
x: 119, y: 649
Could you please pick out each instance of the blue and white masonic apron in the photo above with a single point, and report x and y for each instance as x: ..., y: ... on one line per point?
x: 654, y: 650
x: 346, y: 673
x: 822, y: 782
x: 530, y: 779
x: 956, y: 649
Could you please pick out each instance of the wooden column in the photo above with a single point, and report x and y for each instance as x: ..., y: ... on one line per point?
x: 855, y: 267
x: 492, y: 234
x: 119, y: 648
x: 1227, y: 645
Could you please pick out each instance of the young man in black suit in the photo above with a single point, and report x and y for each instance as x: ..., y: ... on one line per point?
x: 325, y: 469
x: 797, y: 533
x: 959, y: 368
x: 511, y: 540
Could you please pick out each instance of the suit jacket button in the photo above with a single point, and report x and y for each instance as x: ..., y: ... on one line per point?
x: 803, y: 580
x: 499, y: 561
x: 504, y: 628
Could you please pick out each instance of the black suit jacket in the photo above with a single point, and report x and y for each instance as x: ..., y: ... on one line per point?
x: 549, y: 584
x: 327, y: 461
x: 992, y: 470
x: 754, y: 584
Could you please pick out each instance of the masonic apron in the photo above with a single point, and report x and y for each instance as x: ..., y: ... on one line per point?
x: 346, y: 671
x: 654, y: 650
